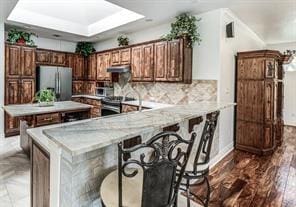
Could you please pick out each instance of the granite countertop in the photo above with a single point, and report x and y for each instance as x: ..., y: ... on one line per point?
x: 33, y: 109
x: 88, y: 96
x: 96, y: 133
x: 147, y: 104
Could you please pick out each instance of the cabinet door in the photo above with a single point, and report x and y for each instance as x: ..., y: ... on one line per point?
x: 125, y: 56
x: 115, y: 57
x: 43, y: 57
x: 92, y: 70
x: 160, y: 59
x: 40, y: 166
x: 103, y: 62
x: 136, y: 63
x: 12, y: 90
x: 28, y: 66
x: 27, y: 90
x: 147, y: 60
x: 58, y: 58
x: 12, y: 61
x: 90, y: 87
x: 175, y: 61
x: 251, y: 68
x: 79, y: 67
x: 77, y: 87
x: 11, y: 125
x: 269, y: 101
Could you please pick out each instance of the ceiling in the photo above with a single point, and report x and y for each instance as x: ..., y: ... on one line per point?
x: 274, y: 21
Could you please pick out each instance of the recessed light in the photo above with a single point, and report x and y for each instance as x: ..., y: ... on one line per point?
x: 148, y: 20
x: 56, y: 35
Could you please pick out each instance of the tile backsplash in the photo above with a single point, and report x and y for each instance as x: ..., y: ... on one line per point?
x: 172, y: 93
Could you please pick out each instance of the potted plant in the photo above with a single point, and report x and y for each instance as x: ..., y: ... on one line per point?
x: 45, y: 97
x: 123, y: 40
x: 20, y: 37
x: 185, y: 27
x: 85, y: 48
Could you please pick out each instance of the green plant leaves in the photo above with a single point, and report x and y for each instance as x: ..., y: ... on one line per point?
x: 185, y: 26
x: 122, y: 40
x: 45, y: 95
x: 85, y: 48
x: 15, y: 35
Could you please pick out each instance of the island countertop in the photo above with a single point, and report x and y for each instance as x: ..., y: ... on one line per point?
x: 100, y: 132
x: 18, y: 110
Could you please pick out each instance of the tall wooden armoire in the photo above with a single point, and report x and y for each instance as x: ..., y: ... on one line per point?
x: 259, y: 97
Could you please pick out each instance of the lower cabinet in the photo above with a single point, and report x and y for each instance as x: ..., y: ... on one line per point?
x: 40, y: 176
x: 97, y: 107
x: 11, y: 125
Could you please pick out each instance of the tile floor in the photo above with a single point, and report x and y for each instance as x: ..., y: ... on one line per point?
x: 14, y: 174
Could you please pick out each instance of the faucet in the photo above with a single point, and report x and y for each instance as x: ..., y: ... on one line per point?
x: 139, y: 96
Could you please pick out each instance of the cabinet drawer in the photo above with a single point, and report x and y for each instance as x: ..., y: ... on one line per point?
x: 47, y: 119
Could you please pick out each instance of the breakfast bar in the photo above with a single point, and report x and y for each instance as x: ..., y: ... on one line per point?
x: 79, y: 155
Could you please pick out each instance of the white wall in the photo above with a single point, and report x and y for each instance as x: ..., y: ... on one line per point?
x: 244, y: 40
x: 289, y: 85
x: 1, y: 79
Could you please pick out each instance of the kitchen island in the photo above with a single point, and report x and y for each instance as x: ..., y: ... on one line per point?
x: 32, y: 115
x: 69, y: 161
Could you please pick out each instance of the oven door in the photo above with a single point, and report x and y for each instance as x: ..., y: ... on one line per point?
x: 109, y: 110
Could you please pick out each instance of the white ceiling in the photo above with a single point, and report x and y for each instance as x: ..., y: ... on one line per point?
x: 274, y: 21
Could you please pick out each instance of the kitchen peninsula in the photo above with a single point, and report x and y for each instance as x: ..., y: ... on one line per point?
x: 79, y: 155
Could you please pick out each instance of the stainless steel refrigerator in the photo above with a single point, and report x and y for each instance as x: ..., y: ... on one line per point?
x: 59, y: 79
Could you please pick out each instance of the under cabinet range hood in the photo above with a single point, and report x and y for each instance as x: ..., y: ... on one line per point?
x: 119, y: 69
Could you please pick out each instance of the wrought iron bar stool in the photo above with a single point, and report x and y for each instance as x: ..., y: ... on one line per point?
x: 196, y: 173
x: 142, y: 182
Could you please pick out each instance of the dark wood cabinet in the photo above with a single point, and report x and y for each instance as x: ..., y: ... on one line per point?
x: 50, y: 57
x: 58, y: 58
x: 259, y: 104
x: 12, y: 61
x: 142, y: 64
x: 175, y: 61
x: 43, y: 57
x: 77, y: 87
x: 40, y: 176
x: 76, y: 62
x: 27, y: 90
x: 160, y: 60
x: 90, y: 87
x: 121, y: 56
x: 28, y: 66
x: 103, y: 62
x: 91, y: 67
x: 12, y: 88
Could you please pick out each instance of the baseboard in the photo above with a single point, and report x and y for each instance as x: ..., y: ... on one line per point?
x: 224, y: 152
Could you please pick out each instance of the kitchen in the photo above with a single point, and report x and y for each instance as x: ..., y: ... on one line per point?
x: 127, y: 89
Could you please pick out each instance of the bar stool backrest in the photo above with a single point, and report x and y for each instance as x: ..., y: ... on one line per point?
x: 202, y: 156
x: 161, y: 175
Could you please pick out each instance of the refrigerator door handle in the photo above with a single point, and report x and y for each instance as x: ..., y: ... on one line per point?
x: 56, y: 82
x: 59, y: 83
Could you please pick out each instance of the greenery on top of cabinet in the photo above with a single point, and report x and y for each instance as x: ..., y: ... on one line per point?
x: 85, y: 48
x: 185, y: 27
x: 20, y: 37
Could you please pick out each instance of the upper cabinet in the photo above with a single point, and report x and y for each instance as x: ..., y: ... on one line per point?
x: 49, y: 57
x: 76, y: 62
x: 173, y: 61
x: 142, y: 62
x: 121, y: 56
x: 92, y: 67
x: 103, y: 62
x: 19, y: 61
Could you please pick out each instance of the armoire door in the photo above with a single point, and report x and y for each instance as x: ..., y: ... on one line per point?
x: 13, y: 61
x: 27, y: 91
x: 28, y: 66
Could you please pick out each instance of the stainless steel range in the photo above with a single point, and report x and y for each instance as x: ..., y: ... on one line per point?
x: 112, y: 104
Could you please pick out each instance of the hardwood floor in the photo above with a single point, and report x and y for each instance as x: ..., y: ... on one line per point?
x: 246, y: 180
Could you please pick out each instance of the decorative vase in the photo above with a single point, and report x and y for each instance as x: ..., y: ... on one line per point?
x: 21, y: 41
x: 46, y: 103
